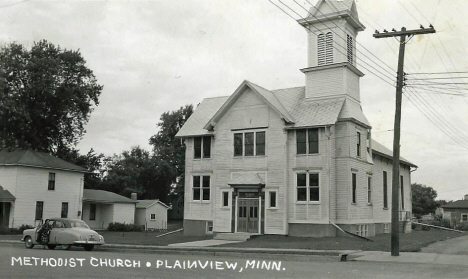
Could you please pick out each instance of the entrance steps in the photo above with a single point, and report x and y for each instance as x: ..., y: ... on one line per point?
x: 232, y: 236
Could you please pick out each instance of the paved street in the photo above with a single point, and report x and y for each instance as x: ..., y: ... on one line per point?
x: 454, y: 246
x: 18, y: 262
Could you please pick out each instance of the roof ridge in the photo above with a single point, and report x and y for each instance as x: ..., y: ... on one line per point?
x: 215, y: 97
x: 287, y: 88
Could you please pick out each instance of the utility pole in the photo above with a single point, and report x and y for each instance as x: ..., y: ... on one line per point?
x: 403, y: 34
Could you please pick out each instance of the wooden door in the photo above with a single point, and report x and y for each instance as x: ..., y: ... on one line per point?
x: 247, y: 215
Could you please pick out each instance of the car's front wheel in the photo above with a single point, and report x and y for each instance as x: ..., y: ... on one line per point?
x: 28, y: 242
x: 51, y: 246
x: 88, y: 247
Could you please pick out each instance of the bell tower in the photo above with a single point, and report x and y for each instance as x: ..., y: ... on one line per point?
x: 332, y: 27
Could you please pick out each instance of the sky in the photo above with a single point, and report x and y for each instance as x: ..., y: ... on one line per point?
x: 157, y: 56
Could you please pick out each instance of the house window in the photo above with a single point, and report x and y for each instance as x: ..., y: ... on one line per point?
x: 225, y: 199
x: 402, y: 193
x: 369, y: 190
x: 308, y: 187
x: 92, y: 211
x: 202, y: 147
x: 272, y: 197
x: 153, y: 216
x: 385, y: 200
x: 349, y: 44
x: 307, y: 141
x: 354, y: 187
x: 39, y: 210
x: 209, y: 227
x: 358, y: 145
x: 386, y: 228
x: 201, y: 188
x: 464, y: 217
x: 64, y: 213
x: 249, y: 144
x: 51, y: 181
x: 362, y: 230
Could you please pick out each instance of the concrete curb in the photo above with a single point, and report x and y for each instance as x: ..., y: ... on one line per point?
x: 217, y: 250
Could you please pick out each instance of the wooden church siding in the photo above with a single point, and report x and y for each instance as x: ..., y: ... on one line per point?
x: 323, y: 83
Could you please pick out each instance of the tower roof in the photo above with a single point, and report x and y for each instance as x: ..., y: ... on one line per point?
x: 326, y: 10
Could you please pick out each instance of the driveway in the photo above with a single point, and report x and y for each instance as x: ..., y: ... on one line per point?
x: 452, y: 246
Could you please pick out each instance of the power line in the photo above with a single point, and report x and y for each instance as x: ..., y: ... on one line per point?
x: 437, y: 73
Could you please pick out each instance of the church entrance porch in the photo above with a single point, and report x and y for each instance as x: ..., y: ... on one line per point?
x: 248, y: 215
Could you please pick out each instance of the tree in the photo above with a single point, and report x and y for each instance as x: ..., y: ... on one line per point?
x: 171, y: 150
x: 423, y: 199
x: 46, y: 96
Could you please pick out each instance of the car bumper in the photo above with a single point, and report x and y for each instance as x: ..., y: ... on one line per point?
x: 81, y: 242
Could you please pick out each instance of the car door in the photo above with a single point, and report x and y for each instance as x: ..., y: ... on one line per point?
x: 57, y: 229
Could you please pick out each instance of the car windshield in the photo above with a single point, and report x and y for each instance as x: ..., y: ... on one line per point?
x: 78, y: 224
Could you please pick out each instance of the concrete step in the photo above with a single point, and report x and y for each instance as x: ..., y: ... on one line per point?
x: 232, y: 236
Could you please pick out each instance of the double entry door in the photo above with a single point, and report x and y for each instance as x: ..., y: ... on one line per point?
x: 247, y: 215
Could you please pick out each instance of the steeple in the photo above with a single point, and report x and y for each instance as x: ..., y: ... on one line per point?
x: 332, y: 28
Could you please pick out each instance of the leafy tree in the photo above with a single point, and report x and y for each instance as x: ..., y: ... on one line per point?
x: 423, y: 199
x: 46, y: 96
x: 171, y: 150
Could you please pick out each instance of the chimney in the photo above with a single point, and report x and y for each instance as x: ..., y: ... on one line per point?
x: 466, y: 197
x: 133, y: 196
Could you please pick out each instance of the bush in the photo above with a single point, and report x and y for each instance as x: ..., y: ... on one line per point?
x: 19, y: 230
x: 462, y: 226
x: 122, y: 227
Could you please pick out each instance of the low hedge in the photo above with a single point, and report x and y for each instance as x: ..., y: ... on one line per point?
x: 19, y: 230
x: 122, y: 227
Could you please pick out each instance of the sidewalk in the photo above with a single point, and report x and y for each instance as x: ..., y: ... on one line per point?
x: 409, y: 257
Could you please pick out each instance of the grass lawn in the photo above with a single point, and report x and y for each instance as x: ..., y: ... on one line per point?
x: 411, y: 242
x: 149, y: 238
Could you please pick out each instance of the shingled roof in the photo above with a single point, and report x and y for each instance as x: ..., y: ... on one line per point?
x: 290, y: 103
x: 30, y: 158
x: 147, y: 203
x: 457, y: 204
x: 383, y: 151
x: 101, y: 196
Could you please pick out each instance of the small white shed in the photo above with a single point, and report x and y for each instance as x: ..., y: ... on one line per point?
x: 152, y: 214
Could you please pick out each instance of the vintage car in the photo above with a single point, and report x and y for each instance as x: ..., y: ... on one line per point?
x: 62, y: 232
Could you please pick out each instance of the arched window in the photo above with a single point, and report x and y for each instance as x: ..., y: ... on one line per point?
x: 325, y: 49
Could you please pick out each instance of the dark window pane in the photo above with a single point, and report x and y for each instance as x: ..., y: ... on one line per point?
x: 206, y: 194
x: 92, y: 211
x: 314, y: 194
x: 354, y: 187
x: 196, y: 182
x: 197, y: 148
x: 249, y: 144
x: 238, y: 144
x: 314, y: 179
x: 39, y: 209
x: 196, y: 188
x: 358, y: 144
x: 313, y: 141
x: 260, y: 143
x: 51, y: 185
x: 64, y: 213
x: 272, y: 199
x: 196, y: 194
x: 385, y: 200
x: 206, y: 147
x: 369, y: 190
x: 301, y: 141
x: 301, y: 179
x: 402, y: 193
x: 206, y: 188
x: 301, y: 194
x: 225, y: 198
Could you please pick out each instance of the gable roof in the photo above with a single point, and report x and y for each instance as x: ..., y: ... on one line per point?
x: 30, y: 158
x: 202, y: 114
x: 247, y: 179
x: 6, y: 196
x: 330, y: 9
x: 266, y: 95
x: 457, y: 204
x: 387, y: 153
x: 148, y: 203
x: 101, y: 196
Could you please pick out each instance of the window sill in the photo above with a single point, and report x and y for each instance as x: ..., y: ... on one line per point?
x: 308, y: 202
x: 385, y: 208
x: 353, y: 203
x: 225, y: 207
x: 273, y: 208
x: 370, y: 204
x: 249, y: 156
x: 199, y: 201
x: 312, y: 154
x: 153, y: 220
